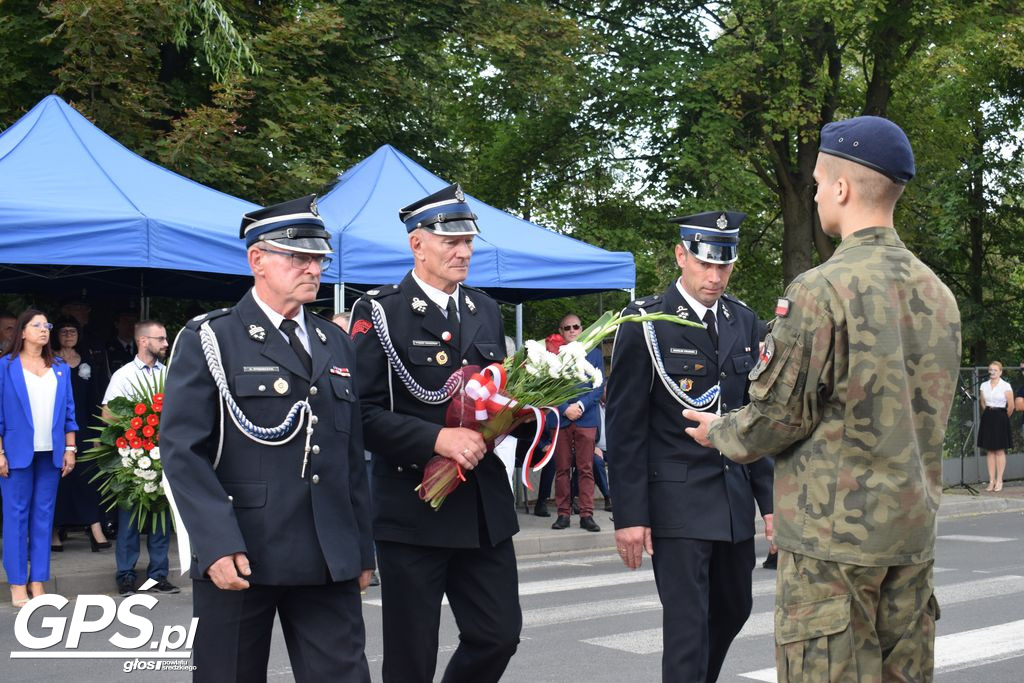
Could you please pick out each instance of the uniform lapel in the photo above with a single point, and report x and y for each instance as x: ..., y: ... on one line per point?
x: 18, y: 380
x: 673, y: 303
x: 318, y: 348
x: 434, y: 321
x: 470, y: 321
x: 726, y: 329
x: 273, y: 344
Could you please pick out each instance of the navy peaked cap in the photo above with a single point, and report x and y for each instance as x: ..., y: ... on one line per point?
x: 293, y: 225
x: 871, y: 141
x: 713, y: 236
x: 445, y: 213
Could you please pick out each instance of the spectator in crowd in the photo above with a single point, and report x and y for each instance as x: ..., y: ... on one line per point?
x: 577, y: 433
x: 121, y: 347
x: 145, y: 368
x: 78, y: 499
x: 341, y: 320
x: 8, y: 322
x: 37, y: 447
x: 93, y: 349
x: 1018, y: 398
x: 996, y: 398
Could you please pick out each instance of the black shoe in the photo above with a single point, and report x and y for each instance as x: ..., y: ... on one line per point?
x: 126, y: 586
x: 374, y: 578
x: 96, y: 545
x: 541, y: 509
x: 589, y: 524
x: 772, y: 561
x: 575, y: 505
x: 165, y: 586
x: 607, y: 504
x: 561, y: 523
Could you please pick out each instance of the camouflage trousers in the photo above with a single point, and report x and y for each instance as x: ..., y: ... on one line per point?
x: 842, y: 622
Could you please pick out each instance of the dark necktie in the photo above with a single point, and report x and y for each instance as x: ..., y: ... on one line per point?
x: 453, y: 319
x: 290, y: 327
x: 709, y: 320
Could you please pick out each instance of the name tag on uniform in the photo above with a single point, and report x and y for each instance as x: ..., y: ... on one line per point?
x: 683, y: 352
x: 260, y: 368
x: 425, y: 342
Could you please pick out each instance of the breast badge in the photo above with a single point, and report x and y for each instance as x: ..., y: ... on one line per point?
x: 441, y: 358
x: 281, y: 385
x: 686, y: 384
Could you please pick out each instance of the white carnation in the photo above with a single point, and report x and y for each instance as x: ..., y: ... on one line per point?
x: 155, y: 453
x: 144, y: 463
x: 598, y: 379
x: 150, y: 474
x: 126, y: 462
x: 149, y: 487
x: 124, y: 452
x: 138, y: 452
x: 141, y: 474
x: 84, y: 371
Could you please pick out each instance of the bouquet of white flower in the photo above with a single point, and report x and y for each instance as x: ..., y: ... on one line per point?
x: 496, y: 399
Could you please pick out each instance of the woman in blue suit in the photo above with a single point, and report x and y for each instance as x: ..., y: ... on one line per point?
x: 37, y: 448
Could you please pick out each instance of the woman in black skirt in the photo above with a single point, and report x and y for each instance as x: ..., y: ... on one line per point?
x: 996, y: 397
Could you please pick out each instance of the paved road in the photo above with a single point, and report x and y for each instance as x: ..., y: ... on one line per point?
x: 587, y: 618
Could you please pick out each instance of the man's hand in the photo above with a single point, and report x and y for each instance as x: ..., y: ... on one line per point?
x: 465, y: 446
x: 704, y: 421
x: 769, y: 532
x: 631, y: 543
x: 364, y: 579
x: 574, y: 412
x: 227, y: 572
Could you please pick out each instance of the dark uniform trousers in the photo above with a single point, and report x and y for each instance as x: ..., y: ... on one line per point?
x: 307, y: 537
x: 464, y: 549
x: 698, y: 505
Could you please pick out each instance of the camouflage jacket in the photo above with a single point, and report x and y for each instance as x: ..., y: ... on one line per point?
x: 852, y: 392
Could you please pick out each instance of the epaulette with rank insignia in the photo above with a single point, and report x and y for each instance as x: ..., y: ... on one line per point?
x: 734, y: 300
x: 382, y: 291
x: 195, y: 322
x: 646, y: 301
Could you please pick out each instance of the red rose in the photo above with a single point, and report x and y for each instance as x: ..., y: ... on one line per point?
x: 152, y: 419
x: 122, y: 443
x: 148, y: 445
x: 135, y: 443
x: 136, y: 423
x: 131, y: 434
x: 148, y: 431
x: 140, y: 408
x: 553, y: 342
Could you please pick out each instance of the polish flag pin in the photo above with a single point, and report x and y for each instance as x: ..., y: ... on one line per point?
x: 782, y: 307
x: 446, y: 335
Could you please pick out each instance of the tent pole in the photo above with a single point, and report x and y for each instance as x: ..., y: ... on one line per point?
x: 339, y: 298
x: 519, y: 326
x: 632, y: 293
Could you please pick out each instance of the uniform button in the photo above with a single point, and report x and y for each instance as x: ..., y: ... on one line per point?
x: 314, y: 419
x: 415, y: 466
x: 316, y: 478
x: 346, y: 392
x: 429, y: 359
x: 465, y: 362
x: 231, y: 499
x: 727, y: 467
x: 316, y: 449
x: 399, y: 468
x: 724, y: 406
x: 263, y: 387
x: 491, y: 354
x: 722, y: 375
x: 312, y: 391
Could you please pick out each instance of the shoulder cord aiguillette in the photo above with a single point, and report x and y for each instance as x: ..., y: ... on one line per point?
x: 450, y: 388
x: 704, y: 402
x: 268, y: 436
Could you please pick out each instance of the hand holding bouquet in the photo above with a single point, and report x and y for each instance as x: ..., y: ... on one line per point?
x: 496, y: 399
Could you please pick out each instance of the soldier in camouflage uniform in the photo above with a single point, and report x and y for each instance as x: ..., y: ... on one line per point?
x: 852, y: 393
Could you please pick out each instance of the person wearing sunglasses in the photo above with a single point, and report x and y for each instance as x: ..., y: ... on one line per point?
x: 37, y: 448
x: 262, y: 445
x: 578, y: 423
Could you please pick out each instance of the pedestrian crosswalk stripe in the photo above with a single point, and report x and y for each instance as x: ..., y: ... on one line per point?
x: 958, y: 651
x: 975, y: 539
x: 649, y: 641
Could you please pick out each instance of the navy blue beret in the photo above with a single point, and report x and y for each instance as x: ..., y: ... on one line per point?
x: 871, y: 141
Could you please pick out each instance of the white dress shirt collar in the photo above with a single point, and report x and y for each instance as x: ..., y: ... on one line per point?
x: 276, y: 318
x: 436, y: 295
x: 698, y: 308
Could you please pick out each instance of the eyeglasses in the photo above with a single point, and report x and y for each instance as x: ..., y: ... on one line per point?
x: 302, y: 261
x: 41, y: 326
x: 575, y: 326
x: 159, y: 339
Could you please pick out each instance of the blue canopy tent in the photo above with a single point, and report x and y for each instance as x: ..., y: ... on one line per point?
x: 80, y: 211
x: 514, y: 260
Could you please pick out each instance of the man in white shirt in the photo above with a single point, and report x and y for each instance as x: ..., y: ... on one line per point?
x: 151, y: 341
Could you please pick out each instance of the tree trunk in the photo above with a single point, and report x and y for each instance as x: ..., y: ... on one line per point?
x: 976, y: 264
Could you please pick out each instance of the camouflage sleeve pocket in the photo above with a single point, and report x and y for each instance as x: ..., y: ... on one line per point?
x: 777, y: 370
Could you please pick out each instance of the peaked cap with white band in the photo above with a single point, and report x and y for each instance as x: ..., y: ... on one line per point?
x: 442, y: 213
x: 712, y: 236
x: 293, y: 225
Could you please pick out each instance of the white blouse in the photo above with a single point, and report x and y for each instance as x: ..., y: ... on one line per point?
x: 42, y: 395
x: 995, y: 398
